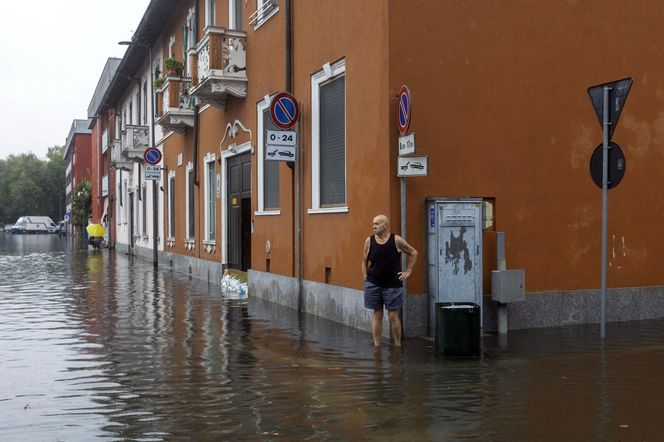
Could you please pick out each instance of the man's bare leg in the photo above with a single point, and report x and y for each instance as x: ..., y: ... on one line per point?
x: 395, y: 325
x: 377, y: 326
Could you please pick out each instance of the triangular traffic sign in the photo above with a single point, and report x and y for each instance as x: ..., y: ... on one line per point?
x: 617, y: 97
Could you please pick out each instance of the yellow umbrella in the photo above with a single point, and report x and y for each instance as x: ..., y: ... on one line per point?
x: 96, y: 230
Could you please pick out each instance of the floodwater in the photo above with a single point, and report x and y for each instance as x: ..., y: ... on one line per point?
x: 97, y: 345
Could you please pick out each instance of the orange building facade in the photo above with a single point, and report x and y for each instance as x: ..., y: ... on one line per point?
x: 499, y: 108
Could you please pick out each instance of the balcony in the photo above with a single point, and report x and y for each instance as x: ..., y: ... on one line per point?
x: 219, y: 66
x: 175, y: 107
x: 134, y: 141
x: 117, y: 160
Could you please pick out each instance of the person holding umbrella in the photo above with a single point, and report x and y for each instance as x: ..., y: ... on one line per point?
x: 96, y: 234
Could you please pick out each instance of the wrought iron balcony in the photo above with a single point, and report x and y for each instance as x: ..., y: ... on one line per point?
x: 219, y: 66
x: 134, y: 141
x: 117, y: 160
x: 175, y: 107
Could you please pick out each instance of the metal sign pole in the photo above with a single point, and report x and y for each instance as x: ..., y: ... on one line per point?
x: 404, y: 310
x: 605, y: 178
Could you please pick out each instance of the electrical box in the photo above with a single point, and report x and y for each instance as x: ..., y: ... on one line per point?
x: 508, y: 285
x: 454, y: 252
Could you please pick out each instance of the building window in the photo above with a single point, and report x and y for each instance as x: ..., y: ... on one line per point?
x: 235, y: 14
x: 145, y: 102
x: 118, y: 202
x: 131, y: 113
x: 191, y: 228
x: 138, y: 106
x: 268, y: 170
x: 126, y: 206
x: 328, y: 144
x: 171, y: 44
x: 210, y: 12
x: 210, y: 197
x: 144, y: 214
x: 264, y: 10
x: 171, y: 204
x: 188, y: 33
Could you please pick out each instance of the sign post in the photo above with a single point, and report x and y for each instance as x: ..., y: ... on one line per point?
x: 614, y: 93
x: 406, y: 166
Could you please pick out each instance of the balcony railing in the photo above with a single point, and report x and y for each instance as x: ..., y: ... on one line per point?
x: 117, y: 160
x: 134, y: 141
x: 175, y: 107
x: 219, y: 66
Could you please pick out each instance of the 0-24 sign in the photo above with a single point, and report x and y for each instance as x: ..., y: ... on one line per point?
x: 281, y: 145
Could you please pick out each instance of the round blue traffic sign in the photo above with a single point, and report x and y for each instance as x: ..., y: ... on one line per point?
x: 404, y: 109
x: 152, y: 156
x: 284, y: 110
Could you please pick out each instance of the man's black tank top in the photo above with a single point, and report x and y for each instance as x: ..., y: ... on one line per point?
x: 384, y: 263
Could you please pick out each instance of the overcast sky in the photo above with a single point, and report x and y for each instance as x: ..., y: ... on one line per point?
x: 55, y: 52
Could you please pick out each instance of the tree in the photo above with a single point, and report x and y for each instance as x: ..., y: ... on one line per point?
x: 31, y: 186
x: 81, y: 204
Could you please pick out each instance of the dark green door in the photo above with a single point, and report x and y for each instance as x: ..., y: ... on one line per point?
x: 239, y: 212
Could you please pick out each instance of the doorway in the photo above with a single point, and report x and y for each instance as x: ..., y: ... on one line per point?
x: 130, y: 241
x: 238, y: 202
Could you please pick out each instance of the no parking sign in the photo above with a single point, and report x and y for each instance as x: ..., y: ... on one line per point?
x: 284, y: 110
x: 404, y: 110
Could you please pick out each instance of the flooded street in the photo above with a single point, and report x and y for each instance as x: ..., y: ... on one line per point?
x: 98, y: 345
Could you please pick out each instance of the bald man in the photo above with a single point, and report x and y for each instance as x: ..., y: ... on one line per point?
x: 381, y: 268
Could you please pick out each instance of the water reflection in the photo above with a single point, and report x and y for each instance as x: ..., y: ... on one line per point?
x: 97, y: 344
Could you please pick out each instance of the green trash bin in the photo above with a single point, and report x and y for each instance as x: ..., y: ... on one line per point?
x: 458, y: 331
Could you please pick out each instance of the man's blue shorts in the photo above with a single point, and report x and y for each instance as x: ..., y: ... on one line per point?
x: 375, y: 297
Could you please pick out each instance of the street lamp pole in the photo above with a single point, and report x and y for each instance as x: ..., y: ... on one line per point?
x: 155, y: 205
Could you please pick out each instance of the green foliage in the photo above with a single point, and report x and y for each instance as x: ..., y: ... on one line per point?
x: 81, y: 204
x: 159, y: 82
x: 32, y: 186
x: 171, y: 64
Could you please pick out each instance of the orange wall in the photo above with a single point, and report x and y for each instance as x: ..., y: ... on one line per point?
x: 500, y: 107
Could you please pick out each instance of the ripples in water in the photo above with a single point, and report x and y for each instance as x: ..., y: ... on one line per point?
x: 97, y: 345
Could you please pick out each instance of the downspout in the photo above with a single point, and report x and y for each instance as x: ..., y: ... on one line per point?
x: 196, y: 109
x: 195, y: 161
x: 110, y: 194
x: 296, y: 176
x: 99, y: 154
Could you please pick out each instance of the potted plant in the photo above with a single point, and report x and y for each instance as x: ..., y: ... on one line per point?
x: 159, y: 82
x: 173, y: 66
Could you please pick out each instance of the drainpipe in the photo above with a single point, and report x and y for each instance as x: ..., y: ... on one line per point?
x: 195, y: 161
x: 296, y: 176
x: 108, y: 180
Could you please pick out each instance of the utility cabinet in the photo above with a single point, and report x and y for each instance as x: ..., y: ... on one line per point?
x: 454, y: 252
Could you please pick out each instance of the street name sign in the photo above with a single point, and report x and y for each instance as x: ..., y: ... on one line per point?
x: 281, y: 145
x: 152, y: 173
x: 617, y: 97
x: 407, y: 144
x: 412, y: 166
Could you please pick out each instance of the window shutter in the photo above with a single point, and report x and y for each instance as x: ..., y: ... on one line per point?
x: 192, y: 219
x: 270, y: 169
x: 171, y: 197
x: 333, y: 143
x: 211, y: 202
